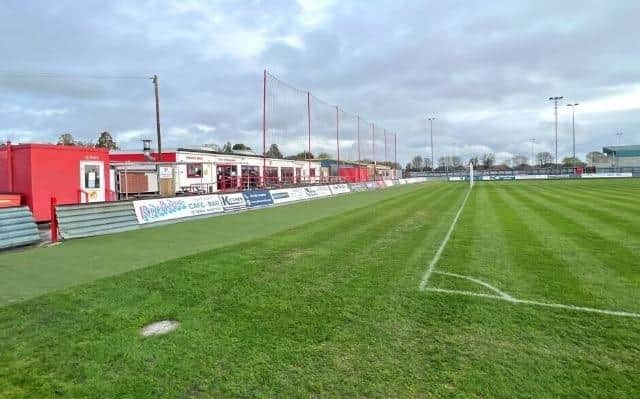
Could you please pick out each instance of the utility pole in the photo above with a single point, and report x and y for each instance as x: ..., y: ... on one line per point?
x: 433, y: 161
x: 395, y: 149
x: 154, y: 79
x: 573, y: 128
x: 555, y: 101
x: 158, y: 135
x: 532, y: 141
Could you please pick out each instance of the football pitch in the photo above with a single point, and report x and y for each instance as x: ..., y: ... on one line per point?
x: 508, y: 289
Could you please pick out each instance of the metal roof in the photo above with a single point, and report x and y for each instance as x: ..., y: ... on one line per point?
x: 622, y: 150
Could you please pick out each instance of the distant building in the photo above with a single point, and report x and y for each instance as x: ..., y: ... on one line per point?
x: 621, y: 156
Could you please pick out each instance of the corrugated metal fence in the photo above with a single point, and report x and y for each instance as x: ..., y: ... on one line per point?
x: 17, y: 227
x: 85, y: 220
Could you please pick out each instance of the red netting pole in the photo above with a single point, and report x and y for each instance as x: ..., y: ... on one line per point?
x: 359, y: 139
x: 264, y: 127
x: 338, y: 137
x: 373, y: 144
x: 309, y: 130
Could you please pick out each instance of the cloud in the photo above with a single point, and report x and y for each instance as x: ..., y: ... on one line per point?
x: 485, y: 70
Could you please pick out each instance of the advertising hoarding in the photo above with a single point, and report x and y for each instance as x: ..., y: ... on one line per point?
x: 161, y: 209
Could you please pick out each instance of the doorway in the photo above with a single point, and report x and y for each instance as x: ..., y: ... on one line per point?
x: 92, y: 182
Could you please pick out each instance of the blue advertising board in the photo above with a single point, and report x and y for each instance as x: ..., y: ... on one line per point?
x: 256, y: 198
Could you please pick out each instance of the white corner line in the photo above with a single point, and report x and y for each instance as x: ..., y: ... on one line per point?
x: 466, y: 293
x: 443, y: 244
x: 537, y: 303
x: 477, y: 281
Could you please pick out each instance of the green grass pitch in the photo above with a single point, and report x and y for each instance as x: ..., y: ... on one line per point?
x: 323, y: 299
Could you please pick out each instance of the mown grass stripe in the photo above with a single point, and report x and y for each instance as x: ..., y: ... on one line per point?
x: 616, y: 226
x: 528, y: 240
x: 475, y: 249
x: 593, y: 259
x: 606, y: 202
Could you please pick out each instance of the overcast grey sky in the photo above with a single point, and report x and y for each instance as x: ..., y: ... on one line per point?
x: 484, y: 68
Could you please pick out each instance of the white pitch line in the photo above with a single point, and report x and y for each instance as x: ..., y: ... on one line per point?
x: 477, y: 281
x: 467, y: 293
x: 537, y: 303
x: 443, y: 244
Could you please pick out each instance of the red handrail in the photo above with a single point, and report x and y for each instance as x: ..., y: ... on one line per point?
x: 54, y: 220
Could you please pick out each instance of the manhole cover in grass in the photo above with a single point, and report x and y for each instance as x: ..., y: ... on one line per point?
x: 159, y: 328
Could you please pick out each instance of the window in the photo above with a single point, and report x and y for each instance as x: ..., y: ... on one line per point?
x: 91, y: 176
x: 271, y: 175
x: 312, y: 172
x: 287, y: 175
x: 250, y: 176
x: 194, y: 170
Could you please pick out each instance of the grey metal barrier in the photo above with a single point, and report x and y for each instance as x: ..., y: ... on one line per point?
x: 17, y: 227
x: 84, y: 220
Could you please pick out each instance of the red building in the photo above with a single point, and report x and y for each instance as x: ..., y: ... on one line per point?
x: 39, y: 172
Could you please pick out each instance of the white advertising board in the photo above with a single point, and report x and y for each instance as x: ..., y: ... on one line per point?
x: 317, y: 191
x: 457, y: 178
x: 531, y: 177
x: 287, y: 195
x: 403, y: 181
x: 605, y: 175
x: 233, y: 202
x: 388, y: 183
x: 339, y: 188
x: 160, y: 209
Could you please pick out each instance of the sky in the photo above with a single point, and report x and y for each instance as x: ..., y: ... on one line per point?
x: 484, y: 70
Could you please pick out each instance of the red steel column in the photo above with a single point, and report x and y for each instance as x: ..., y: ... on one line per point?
x: 264, y: 127
x: 338, y: 137
x: 309, y: 127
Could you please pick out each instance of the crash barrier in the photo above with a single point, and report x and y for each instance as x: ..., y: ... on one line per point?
x: 544, y: 177
x: 17, y: 227
x: 83, y: 220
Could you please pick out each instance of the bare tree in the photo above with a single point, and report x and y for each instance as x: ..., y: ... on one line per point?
x: 544, y: 158
x: 488, y: 160
x: 428, y: 164
x: 417, y: 163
